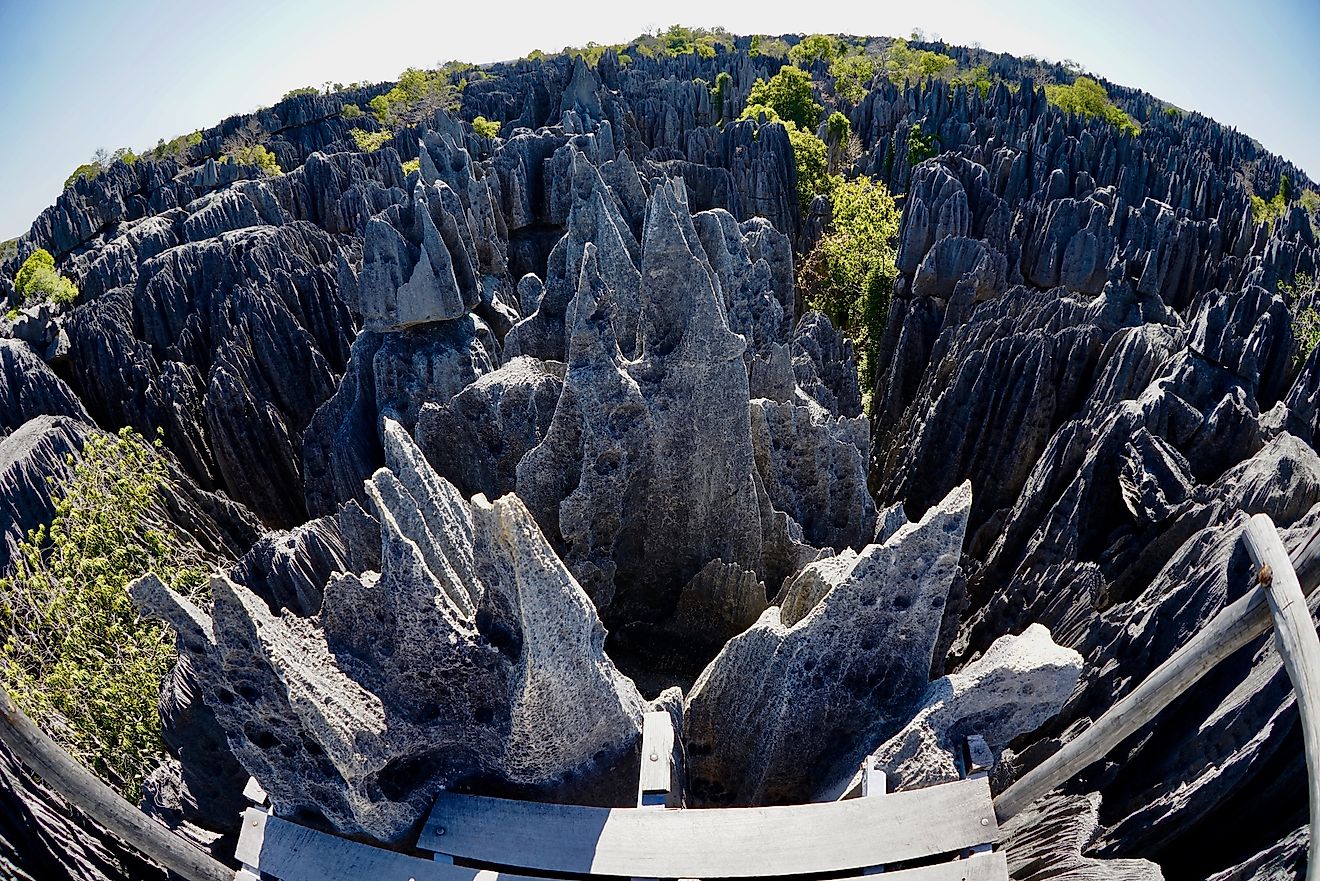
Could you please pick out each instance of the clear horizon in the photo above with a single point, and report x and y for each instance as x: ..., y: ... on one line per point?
x: 101, y: 77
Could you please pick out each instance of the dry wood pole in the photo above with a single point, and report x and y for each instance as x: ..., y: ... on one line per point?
x: 1299, y: 646
x: 1236, y: 625
x: 81, y: 788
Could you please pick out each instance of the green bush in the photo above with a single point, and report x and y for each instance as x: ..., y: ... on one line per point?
x: 849, y: 275
x: 258, y: 155
x: 486, y: 128
x: 100, y: 161
x: 921, y: 146
x: 175, y: 148
x: 370, y: 142
x: 852, y: 74
x: 811, y: 159
x: 901, y: 63
x: 817, y: 47
x: 1086, y: 97
x: 412, y: 165
x: 1300, y: 294
x: 351, y: 111
x: 75, y: 655
x: 770, y: 47
x: 790, y: 95
x: 720, y: 92
x: 978, y: 77
x: 297, y: 93
x: 417, y: 96
x: 38, y: 281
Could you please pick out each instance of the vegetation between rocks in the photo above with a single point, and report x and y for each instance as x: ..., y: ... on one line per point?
x: 75, y: 655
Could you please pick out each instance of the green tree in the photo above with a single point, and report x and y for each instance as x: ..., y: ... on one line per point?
x: 1263, y: 211
x: 817, y: 47
x: 351, y: 111
x: 811, y: 160
x: 412, y: 165
x: 1086, y: 97
x: 38, y: 281
x: 921, y: 146
x: 74, y: 654
x: 297, y: 93
x: 790, y: 95
x: 486, y: 128
x: 100, y: 161
x: 852, y: 75
x: 720, y: 93
x: 849, y: 275
x: 900, y: 63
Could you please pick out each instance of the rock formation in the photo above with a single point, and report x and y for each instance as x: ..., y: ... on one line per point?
x: 497, y: 453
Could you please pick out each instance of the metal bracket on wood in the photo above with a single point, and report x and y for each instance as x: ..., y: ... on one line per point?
x: 977, y: 760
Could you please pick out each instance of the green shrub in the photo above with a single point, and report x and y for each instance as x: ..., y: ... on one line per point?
x: 720, y: 92
x: 978, y: 77
x: 852, y: 75
x: 100, y: 161
x: 849, y: 275
x: 351, y: 111
x: 258, y: 155
x: 770, y: 47
x: 486, y: 128
x: 175, y: 148
x: 812, y: 162
x: 901, y: 63
x: 921, y: 146
x: 817, y: 47
x: 417, y: 96
x: 1086, y: 97
x: 8, y: 249
x: 297, y: 93
x: 38, y: 281
x: 1300, y: 294
x: 790, y: 95
x: 370, y: 142
x: 75, y: 655
x: 412, y: 165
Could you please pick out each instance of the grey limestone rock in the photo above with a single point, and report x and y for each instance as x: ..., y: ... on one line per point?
x: 477, y: 438
x: 1013, y: 689
x: 785, y: 706
x: 1048, y: 839
x: 473, y: 655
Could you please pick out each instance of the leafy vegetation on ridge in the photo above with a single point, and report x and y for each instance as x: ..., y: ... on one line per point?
x: 74, y: 654
x: 38, y: 281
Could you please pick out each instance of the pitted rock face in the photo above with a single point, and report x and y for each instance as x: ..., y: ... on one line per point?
x: 472, y: 653
x: 785, y: 706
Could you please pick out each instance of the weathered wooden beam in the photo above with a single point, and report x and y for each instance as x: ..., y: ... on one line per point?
x: 655, y: 781
x: 1235, y: 626
x: 718, y: 843
x: 1299, y: 647
x: 82, y: 789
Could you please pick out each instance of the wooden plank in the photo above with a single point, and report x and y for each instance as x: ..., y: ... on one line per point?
x: 655, y: 782
x: 1235, y: 626
x: 82, y: 789
x: 715, y: 843
x: 1299, y: 647
x: 981, y: 867
x: 291, y: 852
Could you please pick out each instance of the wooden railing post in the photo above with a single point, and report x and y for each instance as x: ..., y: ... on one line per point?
x: 83, y: 790
x: 1299, y: 647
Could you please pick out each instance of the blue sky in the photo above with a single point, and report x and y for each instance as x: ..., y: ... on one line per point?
x: 127, y: 74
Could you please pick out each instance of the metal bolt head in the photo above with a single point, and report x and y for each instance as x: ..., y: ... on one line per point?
x: 439, y: 830
x: 654, y: 757
x: 985, y: 821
